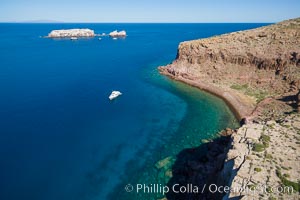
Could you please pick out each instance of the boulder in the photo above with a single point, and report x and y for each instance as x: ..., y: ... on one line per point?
x: 165, y: 163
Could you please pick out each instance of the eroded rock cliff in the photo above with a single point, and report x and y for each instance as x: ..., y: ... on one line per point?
x: 251, y: 65
x: 263, y: 162
x: 258, y: 73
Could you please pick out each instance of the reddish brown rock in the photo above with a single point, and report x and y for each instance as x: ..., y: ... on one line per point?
x: 298, y: 101
x: 261, y: 64
x: 266, y: 58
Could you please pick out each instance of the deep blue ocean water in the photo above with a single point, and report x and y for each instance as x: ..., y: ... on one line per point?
x: 60, y: 136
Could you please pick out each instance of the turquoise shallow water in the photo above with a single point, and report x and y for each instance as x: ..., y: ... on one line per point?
x: 204, y: 116
x: 61, y: 138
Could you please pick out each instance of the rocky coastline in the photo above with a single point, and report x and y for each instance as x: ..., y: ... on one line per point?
x: 240, y: 108
x: 257, y: 72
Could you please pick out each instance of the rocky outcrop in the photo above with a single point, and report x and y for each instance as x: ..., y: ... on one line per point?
x: 257, y: 72
x: 117, y: 34
x: 71, y: 33
x: 255, y: 63
x: 264, y: 160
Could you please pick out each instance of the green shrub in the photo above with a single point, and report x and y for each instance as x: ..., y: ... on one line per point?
x: 257, y: 169
x: 258, y: 147
x: 268, y: 156
x: 257, y: 93
x: 251, y: 187
x: 286, y: 175
x: 239, y: 87
x: 265, y: 138
x: 272, y: 198
x: 269, y: 189
x: 288, y: 183
x: 286, y: 125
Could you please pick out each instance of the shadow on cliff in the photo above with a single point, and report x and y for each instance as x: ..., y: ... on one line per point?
x: 291, y: 100
x: 198, y: 168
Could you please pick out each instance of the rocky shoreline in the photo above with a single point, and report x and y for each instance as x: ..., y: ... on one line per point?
x: 257, y: 72
x: 264, y: 160
x: 240, y: 108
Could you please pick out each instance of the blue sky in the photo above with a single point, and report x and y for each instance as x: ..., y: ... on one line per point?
x: 149, y: 11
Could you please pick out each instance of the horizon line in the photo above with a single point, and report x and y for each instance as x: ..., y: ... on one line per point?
x: 93, y: 22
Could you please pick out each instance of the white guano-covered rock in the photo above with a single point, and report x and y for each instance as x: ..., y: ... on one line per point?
x: 71, y: 33
x: 117, y: 34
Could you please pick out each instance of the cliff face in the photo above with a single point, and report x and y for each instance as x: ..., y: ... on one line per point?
x: 258, y: 73
x: 258, y: 63
x: 264, y: 160
x: 273, y: 47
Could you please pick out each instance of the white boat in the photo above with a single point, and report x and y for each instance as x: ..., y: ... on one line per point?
x: 99, y: 38
x: 74, y: 38
x: 114, y: 95
x: 114, y: 38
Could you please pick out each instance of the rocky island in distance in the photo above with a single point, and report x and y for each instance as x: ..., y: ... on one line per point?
x: 257, y: 72
x: 118, y: 34
x: 83, y: 32
x: 68, y: 33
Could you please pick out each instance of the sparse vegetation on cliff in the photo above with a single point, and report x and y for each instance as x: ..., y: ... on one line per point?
x: 286, y: 182
x: 258, y: 94
x: 250, y: 65
x: 258, y: 73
